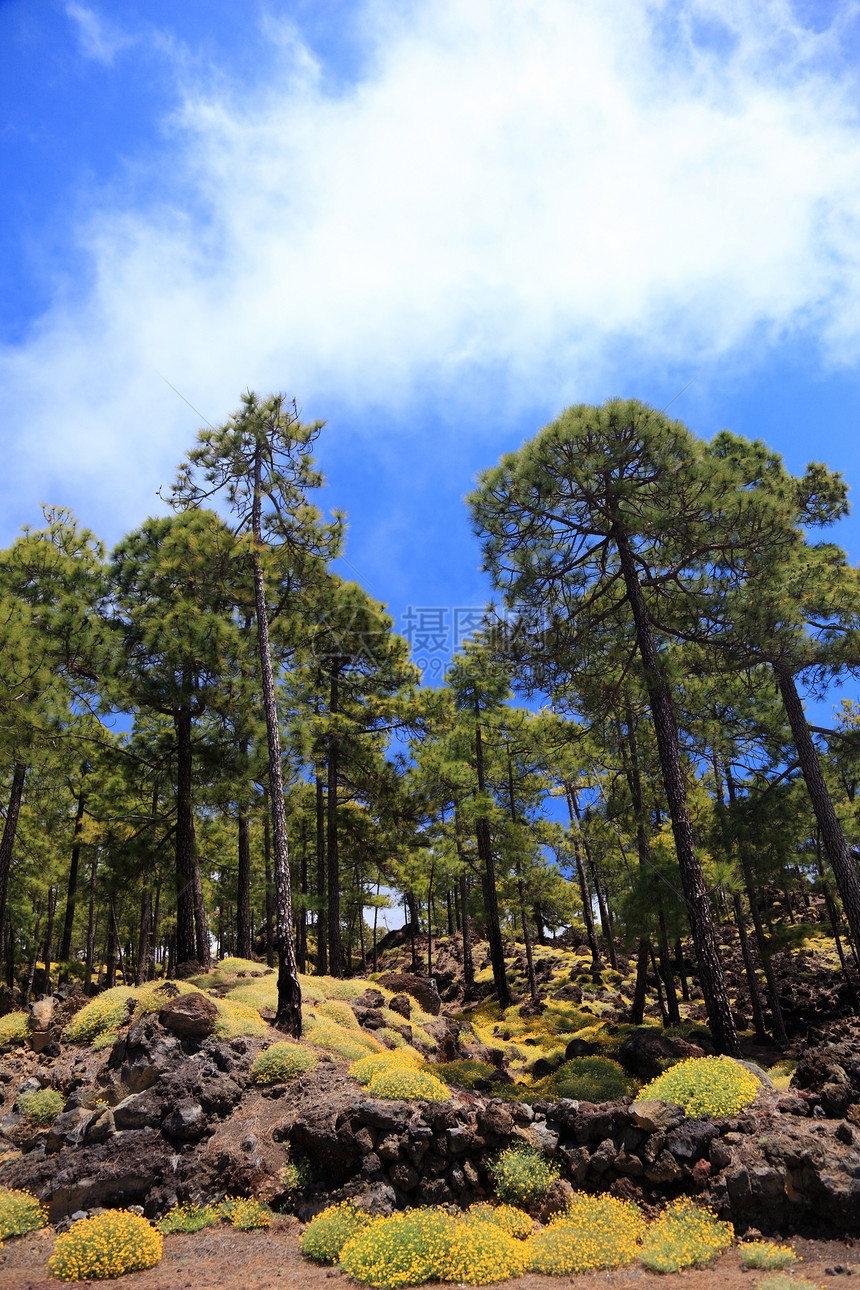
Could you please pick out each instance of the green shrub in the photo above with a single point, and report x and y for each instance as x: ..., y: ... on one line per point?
x: 523, y: 1174
x: 704, y: 1086
x: 106, y: 1245
x: 327, y: 1233
x: 188, y: 1218
x: 246, y: 1215
x: 402, y: 1250
x: 592, y: 1232
x: 325, y: 1033
x: 404, y: 1084
x: 591, y: 1079
x: 14, y: 1028
x: 765, y: 1254
x: 295, y: 1173
x: 479, y: 1253
x: 20, y: 1212
x: 107, y: 1012
x: 466, y: 1073
x: 281, y: 1062
x: 685, y: 1235
x: 42, y: 1106
x: 516, y: 1222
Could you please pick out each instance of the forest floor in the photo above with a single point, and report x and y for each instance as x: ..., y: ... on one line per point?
x: 225, y: 1259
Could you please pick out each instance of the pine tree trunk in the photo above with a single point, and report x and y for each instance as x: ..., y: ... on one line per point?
x: 321, y: 914
x: 335, y: 947
x: 711, y: 975
x: 838, y: 851
x: 72, y: 888
x: 243, y: 887
x: 491, y: 900
x: 7, y: 842
x: 91, y: 925
x: 289, y: 1011
x: 186, y: 940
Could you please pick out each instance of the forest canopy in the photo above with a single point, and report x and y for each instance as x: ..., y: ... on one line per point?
x: 213, y: 744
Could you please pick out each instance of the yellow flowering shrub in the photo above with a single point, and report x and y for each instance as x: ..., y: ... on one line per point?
x: 523, y: 1174
x: 20, y: 1212
x: 339, y: 1011
x: 704, y: 1086
x: 685, y: 1235
x: 325, y: 1033
x: 516, y: 1222
x: 479, y: 1253
x: 237, y: 1018
x: 327, y: 1233
x: 106, y: 1245
x: 593, y: 1232
x: 188, y: 1218
x: 281, y: 1062
x: 402, y: 1250
x: 105, y: 1014
x: 404, y: 1084
x: 14, y: 1028
x: 766, y: 1254
x: 42, y: 1106
x: 245, y: 1214
x: 366, y: 1067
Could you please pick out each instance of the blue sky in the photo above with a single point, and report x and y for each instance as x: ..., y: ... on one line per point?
x: 436, y: 224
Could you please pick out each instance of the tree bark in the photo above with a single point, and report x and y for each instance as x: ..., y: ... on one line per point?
x: 692, y: 880
x: 289, y: 1012
x: 491, y: 900
x: 838, y: 851
x: 186, y: 940
x: 72, y: 888
x: 7, y: 842
x: 322, y: 913
x: 243, y: 887
x: 335, y: 945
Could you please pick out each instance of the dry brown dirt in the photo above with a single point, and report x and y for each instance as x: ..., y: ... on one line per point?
x: 224, y: 1259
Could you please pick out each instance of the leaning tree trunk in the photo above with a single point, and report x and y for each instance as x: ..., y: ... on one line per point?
x: 289, y: 1013
x: 838, y: 851
x: 711, y: 973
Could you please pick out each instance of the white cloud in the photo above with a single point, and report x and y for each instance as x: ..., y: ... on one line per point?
x: 514, y: 187
x: 98, y: 40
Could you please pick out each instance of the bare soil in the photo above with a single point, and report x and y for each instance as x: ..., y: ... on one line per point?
x: 224, y: 1259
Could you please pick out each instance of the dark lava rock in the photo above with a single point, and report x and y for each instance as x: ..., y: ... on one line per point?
x: 645, y: 1052
x: 422, y: 988
x: 192, y: 1014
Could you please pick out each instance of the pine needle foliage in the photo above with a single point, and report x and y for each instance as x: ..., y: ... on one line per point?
x: 106, y: 1245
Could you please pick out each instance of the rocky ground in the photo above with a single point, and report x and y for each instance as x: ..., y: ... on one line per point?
x: 169, y: 1112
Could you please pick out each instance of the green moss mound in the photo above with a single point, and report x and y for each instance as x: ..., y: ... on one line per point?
x: 704, y: 1086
